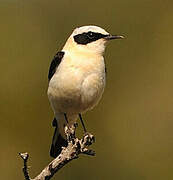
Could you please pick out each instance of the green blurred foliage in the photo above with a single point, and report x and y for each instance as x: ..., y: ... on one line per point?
x: 134, y: 121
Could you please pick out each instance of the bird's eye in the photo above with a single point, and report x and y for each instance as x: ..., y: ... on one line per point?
x: 90, y: 34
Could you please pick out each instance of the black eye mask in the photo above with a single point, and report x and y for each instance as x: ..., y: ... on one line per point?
x: 88, y: 37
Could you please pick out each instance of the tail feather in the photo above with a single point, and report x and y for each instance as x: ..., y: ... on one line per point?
x: 57, y: 142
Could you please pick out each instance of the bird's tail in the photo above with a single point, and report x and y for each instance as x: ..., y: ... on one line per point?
x: 59, y: 139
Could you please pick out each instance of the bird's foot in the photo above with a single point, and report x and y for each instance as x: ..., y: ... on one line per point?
x: 70, y: 132
x: 86, y: 141
x: 88, y: 138
x: 75, y: 124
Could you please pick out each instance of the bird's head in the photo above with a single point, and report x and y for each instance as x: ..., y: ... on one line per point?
x: 90, y: 39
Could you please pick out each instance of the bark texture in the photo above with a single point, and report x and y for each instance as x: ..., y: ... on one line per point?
x: 75, y: 147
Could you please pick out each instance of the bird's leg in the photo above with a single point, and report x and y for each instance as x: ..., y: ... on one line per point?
x: 89, y: 136
x: 80, y: 117
x: 65, y: 115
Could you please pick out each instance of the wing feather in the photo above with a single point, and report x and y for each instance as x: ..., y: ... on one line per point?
x: 55, y: 63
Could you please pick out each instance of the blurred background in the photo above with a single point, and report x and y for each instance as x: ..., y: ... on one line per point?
x: 133, y: 123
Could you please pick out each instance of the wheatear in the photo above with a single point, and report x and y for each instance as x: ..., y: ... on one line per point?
x: 76, y: 79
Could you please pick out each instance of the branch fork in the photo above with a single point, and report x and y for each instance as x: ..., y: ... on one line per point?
x: 74, y: 148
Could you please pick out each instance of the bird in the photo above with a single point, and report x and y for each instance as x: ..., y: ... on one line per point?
x: 77, y: 77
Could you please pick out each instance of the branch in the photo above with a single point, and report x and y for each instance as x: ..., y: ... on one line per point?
x: 74, y: 148
x: 25, y: 157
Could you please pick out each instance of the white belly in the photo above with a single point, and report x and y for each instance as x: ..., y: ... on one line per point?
x: 77, y: 87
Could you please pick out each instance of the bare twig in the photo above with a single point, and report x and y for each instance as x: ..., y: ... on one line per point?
x: 74, y: 148
x: 25, y: 157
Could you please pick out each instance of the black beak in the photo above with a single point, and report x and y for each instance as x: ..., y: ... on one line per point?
x: 110, y: 37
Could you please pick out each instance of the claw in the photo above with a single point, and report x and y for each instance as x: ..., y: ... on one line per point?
x: 88, y: 138
x: 75, y: 124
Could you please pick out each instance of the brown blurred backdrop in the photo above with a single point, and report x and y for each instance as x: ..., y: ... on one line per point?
x: 133, y: 124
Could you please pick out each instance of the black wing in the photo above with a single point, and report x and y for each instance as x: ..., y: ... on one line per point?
x: 54, y: 64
